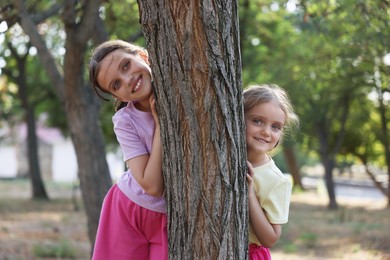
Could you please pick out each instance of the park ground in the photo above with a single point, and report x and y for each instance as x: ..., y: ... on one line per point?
x: 359, y: 229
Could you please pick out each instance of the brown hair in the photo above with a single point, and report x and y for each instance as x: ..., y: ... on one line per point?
x: 99, y: 53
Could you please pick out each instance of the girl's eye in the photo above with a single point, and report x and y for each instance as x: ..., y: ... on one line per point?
x: 126, y: 65
x: 257, y: 121
x: 116, y: 85
x: 277, y: 127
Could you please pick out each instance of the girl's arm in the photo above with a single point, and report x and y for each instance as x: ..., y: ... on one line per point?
x: 267, y: 234
x: 147, y: 169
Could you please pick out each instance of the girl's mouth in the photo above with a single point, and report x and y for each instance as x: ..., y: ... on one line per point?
x: 137, y: 86
x: 261, y: 140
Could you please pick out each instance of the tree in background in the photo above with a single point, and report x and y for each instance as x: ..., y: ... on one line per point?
x: 267, y: 43
x: 323, y: 54
x: 345, y: 64
x: 194, y: 51
x: 78, y: 20
x: 18, y: 75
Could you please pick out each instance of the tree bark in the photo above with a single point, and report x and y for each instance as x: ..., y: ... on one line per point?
x: 196, y: 64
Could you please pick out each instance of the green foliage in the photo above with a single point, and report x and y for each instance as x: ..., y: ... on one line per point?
x: 302, y: 158
x: 62, y: 249
x: 329, y: 57
x: 123, y: 23
x: 326, y: 54
x: 106, y: 113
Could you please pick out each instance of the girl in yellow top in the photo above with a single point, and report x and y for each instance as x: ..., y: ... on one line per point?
x: 268, y: 111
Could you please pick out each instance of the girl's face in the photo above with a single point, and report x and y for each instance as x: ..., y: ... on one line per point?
x: 264, y: 127
x: 126, y: 76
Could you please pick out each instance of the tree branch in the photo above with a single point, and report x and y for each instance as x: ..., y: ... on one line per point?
x: 54, y: 71
x: 53, y: 10
x: 100, y: 33
x: 85, y: 28
x: 89, y: 21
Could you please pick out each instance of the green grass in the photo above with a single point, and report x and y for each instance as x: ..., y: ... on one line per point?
x: 62, y: 249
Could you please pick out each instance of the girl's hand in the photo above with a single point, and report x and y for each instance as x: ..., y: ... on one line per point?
x: 249, y: 177
x: 152, y: 102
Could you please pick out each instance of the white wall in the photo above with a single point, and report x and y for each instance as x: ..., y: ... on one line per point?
x: 8, y: 162
x: 64, y: 164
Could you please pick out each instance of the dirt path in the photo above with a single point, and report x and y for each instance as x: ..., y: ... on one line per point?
x: 360, y: 229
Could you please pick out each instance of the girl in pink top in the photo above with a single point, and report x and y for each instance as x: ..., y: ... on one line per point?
x: 133, y: 222
x: 268, y: 111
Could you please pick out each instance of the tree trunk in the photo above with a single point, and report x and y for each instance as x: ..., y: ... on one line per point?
x: 292, y: 165
x: 38, y: 188
x: 82, y: 109
x: 34, y: 170
x: 194, y: 51
x: 329, y: 183
x: 385, y: 140
x: 83, y: 118
x: 328, y: 165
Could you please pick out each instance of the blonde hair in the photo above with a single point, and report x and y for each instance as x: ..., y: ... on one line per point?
x: 259, y: 94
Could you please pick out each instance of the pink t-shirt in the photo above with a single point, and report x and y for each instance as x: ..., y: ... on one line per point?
x: 134, y: 131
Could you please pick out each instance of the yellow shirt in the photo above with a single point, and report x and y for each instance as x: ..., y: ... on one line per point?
x: 273, y: 190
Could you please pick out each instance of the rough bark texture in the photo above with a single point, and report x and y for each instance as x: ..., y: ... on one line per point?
x: 194, y: 51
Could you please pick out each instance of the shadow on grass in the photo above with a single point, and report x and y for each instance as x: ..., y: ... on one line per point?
x: 350, y: 232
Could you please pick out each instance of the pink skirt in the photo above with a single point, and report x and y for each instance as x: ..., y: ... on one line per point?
x: 129, y: 231
x: 258, y: 252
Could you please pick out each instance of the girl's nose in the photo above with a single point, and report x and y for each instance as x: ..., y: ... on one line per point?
x: 128, y: 79
x: 266, y: 130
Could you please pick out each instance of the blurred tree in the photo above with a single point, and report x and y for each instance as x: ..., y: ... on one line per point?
x: 195, y: 57
x: 351, y: 58
x: 267, y: 39
x: 375, y: 40
x: 327, y: 89
x: 79, y: 20
x: 18, y: 75
x: 315, y: 50
x: 361, y: 139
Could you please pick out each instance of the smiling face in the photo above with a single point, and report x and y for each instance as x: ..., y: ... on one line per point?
x: 264, y: 127
x: 127, y: 77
